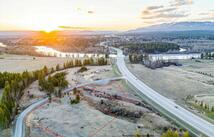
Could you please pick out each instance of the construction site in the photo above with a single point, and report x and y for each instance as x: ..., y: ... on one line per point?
x: 107, y: 109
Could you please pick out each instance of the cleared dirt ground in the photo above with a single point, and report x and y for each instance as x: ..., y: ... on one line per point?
x: 85, y: 119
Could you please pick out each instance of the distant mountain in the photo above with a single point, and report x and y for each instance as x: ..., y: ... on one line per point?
x: 85, y: 32
x: 14, y: 34
x: 178, y: 26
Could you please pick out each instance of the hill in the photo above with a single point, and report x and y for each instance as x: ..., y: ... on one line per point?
x: 178, y: 26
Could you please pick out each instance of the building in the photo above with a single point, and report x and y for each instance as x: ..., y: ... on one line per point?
x: 155, y: 57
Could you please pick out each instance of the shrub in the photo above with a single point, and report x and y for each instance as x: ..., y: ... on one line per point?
x: 82, y: 69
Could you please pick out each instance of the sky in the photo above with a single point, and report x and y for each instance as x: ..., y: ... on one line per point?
x: 117, y: 15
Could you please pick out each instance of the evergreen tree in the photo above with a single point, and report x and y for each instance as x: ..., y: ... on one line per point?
x: 137, y: 133
x: 52, y: 70
x: 91, y: 61
x: 64, y: 66
x: 57, y: 67
x: 212, y: 109
x: 45, y: 70
x: 170, y: 133
x: 41, y: 79
x: 186, y: 134
x: 202, y: 55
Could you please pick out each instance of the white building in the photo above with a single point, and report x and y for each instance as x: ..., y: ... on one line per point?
x: 155, y: 57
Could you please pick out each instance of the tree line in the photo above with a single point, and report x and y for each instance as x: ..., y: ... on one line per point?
x: 83, y: 62
x: 14, y: 85
x: 137, y: 58
x: 152, y: 47
x: 204, y: 106
x: 172, y: 133
x: 207, y: 55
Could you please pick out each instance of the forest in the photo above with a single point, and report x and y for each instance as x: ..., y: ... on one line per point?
x: 151, y: 47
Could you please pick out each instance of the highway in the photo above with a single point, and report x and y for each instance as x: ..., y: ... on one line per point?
x: 19, y: 130
x: 190, y: 121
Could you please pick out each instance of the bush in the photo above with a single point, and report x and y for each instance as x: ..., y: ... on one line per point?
x: 76, y: 100
x: 171, y: 133
x: 137, y: 133
x: 82, y: 69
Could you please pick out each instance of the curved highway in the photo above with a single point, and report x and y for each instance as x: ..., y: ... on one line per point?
x: 189, y: 120
x: 19, y: 130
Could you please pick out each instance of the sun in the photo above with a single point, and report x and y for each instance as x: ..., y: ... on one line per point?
x: 49, y: 29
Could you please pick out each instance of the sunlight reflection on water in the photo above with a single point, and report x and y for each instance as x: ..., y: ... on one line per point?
x: 52, y: 52
x: 2, y: 45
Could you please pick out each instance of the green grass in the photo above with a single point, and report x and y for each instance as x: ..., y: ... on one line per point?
x: 210, y: 115
x: 115, y: 70
x: 207, y: 113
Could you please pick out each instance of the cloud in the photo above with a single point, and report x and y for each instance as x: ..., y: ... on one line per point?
x: 72, y: 28
x: 84, y: 11
x: 167, y: 9
x: 181, y: 2
x: 146, y: 12
x: 206, y: 15
x: 154, y: 7
x: 90, y: 12
x: 174, y: 10
x: 165, y: 16
x: 162, y: 13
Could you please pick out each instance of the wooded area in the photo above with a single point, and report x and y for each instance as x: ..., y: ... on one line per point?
x: 151, y: 47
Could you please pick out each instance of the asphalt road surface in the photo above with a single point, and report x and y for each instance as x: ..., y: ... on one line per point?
x: 199, y: 125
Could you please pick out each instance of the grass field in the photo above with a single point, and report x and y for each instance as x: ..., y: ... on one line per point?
x: 178, y: 82
x: 193, y: 78
x: 20, y: 63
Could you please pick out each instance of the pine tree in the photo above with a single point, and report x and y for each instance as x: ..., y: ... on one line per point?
x: 77, y: 98
x: 57, y: 67
x: 52, y: 70
x: 41, y: 79
x: 212, y: 109
x: 64, y: 66
x: 130, y: 58
x: 7, y: 99
x: 71, y: 63
x: 91, y: 61
x: 186, y: 134
x: 75, y: 62
x: 45, y: 70
x: 202, y: 55
x: 4, y: 116
x: 170, y: 133
x: 137, y: 133
x: 202, y: 104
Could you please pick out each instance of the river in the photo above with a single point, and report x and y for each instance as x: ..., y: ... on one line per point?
x: 55, y: 53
